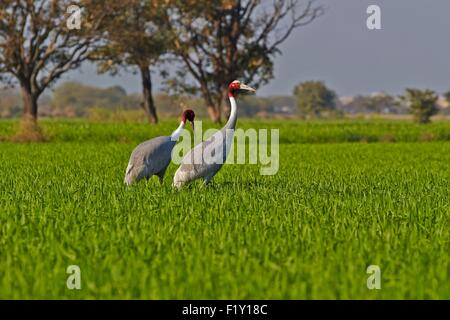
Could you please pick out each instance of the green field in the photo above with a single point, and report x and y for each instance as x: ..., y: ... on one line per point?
x: 348, y: 194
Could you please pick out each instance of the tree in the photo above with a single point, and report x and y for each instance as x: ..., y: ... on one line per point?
x: 379, y: 103
x: 447, y: 97
x: 133, y: 37
x: 421, y: 103
x: 219, y: 41
x: 79, y: 97
x: 375, y: 103
x: 37, y: 47
x: 313, y: 98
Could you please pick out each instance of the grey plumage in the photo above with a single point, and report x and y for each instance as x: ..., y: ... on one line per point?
x: 152, y: 157
x: 190, y: 169
x: 149, y: 158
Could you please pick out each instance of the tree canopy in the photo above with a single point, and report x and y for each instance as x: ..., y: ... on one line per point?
x: 421, y: 103
x: 211, y: 42
x: 313, y: 98
x: 219, y: 41
x: 133, y: 37
x: 37, y: 47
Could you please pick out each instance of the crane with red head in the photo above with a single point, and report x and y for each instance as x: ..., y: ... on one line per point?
x: 195, y: 165
x: 152, y: 157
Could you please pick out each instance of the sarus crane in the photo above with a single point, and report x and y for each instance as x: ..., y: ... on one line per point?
x: 152, y: 157
x: 195, y: 165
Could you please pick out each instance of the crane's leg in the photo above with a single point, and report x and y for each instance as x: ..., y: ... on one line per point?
x: 161, y: 175
x: 208, y: 179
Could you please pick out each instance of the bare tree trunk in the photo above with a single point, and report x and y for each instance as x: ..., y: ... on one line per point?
x: 213, y: 113
x: 30, y: 105
x: 212, y: 108
x: 149, y: 104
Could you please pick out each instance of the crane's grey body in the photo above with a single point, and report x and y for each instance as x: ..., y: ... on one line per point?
x: 149, y: 158
x: 191, y: 169
x: 195, y: 166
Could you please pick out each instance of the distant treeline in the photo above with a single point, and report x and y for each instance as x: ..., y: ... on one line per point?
x: 73, y: 99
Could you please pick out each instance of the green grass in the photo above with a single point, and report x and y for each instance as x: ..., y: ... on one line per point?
x: 291, y: 131
x: 308, y: 232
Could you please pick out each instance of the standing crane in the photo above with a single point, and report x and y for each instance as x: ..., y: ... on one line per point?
x: 194, y: 165
x: 152, y: 157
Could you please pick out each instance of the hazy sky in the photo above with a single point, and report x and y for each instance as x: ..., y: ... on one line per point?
x: 411, y: 50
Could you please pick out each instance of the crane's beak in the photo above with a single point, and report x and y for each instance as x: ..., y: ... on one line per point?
x: 246, y: 88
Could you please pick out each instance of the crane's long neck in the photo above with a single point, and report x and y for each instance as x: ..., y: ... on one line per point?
x: 231, y: 123
x: 176, y: 134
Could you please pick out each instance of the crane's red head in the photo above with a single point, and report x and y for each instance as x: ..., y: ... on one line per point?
x: 188, y: 115
x: 237, y: 87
